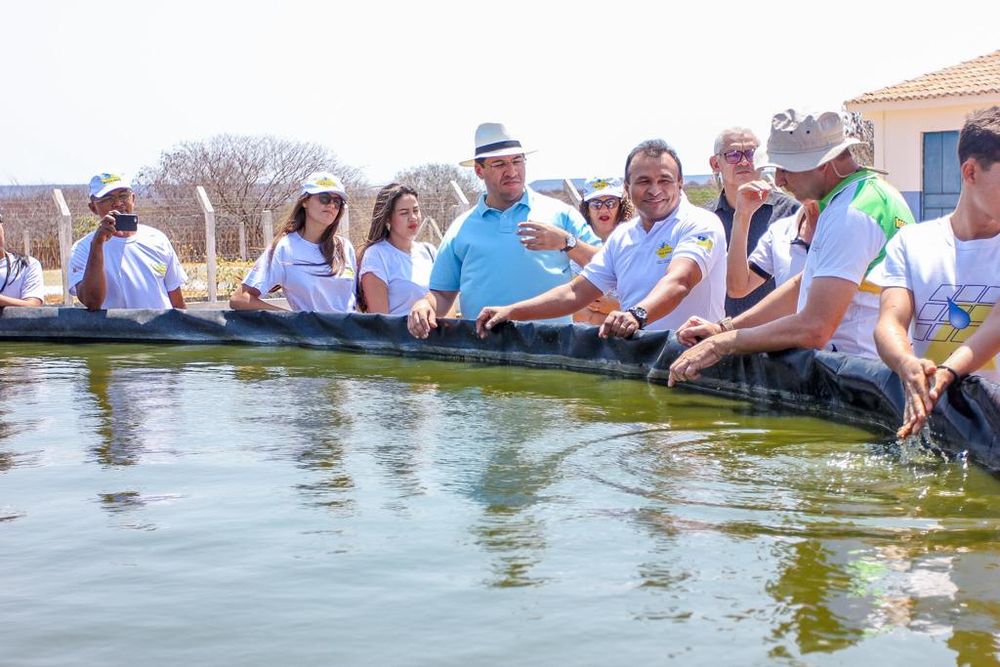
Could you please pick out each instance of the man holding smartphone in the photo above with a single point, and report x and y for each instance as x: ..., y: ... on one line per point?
x: 123, y: 264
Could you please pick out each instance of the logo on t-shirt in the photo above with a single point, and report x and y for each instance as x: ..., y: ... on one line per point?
x: 348, y: 272
x: 664, y: 250
x: 951, y: 315
x: 704, y: 242
x: 159, y: 268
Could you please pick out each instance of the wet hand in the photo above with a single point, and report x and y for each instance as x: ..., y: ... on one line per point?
x: 421, y: 319
x: 541, y: 236
x: 916, y: 374
x: 618, y: 323
x: 696, y: 329
x: 489, y: 317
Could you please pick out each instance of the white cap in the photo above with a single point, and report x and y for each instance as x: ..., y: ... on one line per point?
x: 106, y: 182
x: 323, y: 181
x: 603, y: 187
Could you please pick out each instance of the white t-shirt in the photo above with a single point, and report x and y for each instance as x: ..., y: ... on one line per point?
x: 298, y: 267
x: 407, y: 275
x: 632, y: 261
x: 25, y: 278
x: 780, y: 253
x: 845, y: 243
x: 140, y: 269
x: 954, y: 283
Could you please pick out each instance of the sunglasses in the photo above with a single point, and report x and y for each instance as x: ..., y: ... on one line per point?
x: 598, y: 204
x: 326, y: 200
x: 734, y: 157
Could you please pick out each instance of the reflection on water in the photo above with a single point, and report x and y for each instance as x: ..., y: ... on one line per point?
x: 343, y: 500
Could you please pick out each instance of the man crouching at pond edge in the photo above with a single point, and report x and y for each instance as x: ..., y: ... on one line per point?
x: 134, y: 266
x: 664, y: 265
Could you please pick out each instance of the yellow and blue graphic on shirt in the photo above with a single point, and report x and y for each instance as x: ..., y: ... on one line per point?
x: 159, y: 268
x: 704, y: 242
x: 663, y: 251
x: 951, y: 315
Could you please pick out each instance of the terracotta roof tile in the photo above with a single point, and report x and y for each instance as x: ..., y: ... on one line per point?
x: 979, y: 76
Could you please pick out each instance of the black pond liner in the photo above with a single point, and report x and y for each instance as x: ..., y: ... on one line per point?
x: 966, y: 422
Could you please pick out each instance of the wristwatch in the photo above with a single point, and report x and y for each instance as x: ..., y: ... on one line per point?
x: 570, y: 243
x: 726, y: 324
x: 640, y: 315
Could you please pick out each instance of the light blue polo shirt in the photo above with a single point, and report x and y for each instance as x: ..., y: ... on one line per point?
x: 481, y: 255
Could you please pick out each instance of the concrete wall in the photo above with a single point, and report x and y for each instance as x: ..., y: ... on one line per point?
x: 899, y: 129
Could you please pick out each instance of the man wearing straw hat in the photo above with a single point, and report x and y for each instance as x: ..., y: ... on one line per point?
x: 514, y: 244
x: 831, y: 304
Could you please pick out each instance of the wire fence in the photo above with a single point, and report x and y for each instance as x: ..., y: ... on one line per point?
x: 31, y: 224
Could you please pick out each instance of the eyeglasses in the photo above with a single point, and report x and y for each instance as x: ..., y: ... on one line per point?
x: 503, y: 164
x: 598, y: 204
x: 120, y: 198
x: 734, y: 157
x: 326, y: 200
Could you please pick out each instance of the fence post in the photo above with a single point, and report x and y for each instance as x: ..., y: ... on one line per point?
x: 267, y: 227
x: 243, y: 240
x: 209, y: 213
x: 344, y: 228
x: 65, y: 227
x: 434, y: 226
x: 460, y: 197
x: 572, y: 193
x: 26, y: 238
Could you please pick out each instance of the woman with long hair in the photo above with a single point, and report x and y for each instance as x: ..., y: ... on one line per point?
x: 395, y: 268
x: 604, y: 206
x: 20, y: 277
x: 313, y: 267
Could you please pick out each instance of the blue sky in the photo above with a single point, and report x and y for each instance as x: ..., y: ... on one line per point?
x: 390, y: 85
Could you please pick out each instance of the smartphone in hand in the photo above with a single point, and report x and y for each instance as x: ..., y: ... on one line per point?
x: 126, y: 222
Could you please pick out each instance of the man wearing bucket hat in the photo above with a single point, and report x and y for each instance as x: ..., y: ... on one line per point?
x: 830, y: 305
x: 732, y: 163
x: 119, y: 268
x: 514, y: 244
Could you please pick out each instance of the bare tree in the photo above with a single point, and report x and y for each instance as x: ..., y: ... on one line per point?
x: 243, y: 176
x: 433, y: 182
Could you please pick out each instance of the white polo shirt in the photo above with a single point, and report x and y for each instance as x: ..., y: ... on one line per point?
x: 633, y: 260
x: 24, y: 280
x: 780, y: 253
x: 139, y: 270
x: 298, y: 267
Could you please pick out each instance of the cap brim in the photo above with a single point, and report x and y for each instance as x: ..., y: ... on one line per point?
x: 111, y: 187
x: 605, y: 192
x: 799, y: 162
x: 321, y: 190
x: 500, y: 152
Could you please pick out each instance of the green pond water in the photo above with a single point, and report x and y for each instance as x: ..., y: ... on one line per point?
x: 274, y: 506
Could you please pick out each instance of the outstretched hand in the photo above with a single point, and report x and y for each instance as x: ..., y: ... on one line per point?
x: 618, y: 323
x: 917, y: 376
x: 542, y: 236
x: 489, y: 317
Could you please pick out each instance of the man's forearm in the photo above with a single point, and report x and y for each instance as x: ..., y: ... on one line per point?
x: 557, y: 302
x: 93, y: 289
x: 737, y: 269
x: 782, y: 302
x: 582, y: 253
x: 785, y: 333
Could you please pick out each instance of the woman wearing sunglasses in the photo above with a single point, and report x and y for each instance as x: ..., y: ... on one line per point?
x: 395, y: 269
x: 20, y: 277
x: 313, y: 267
x: 605, y: 205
